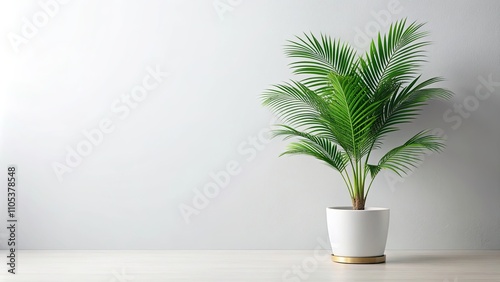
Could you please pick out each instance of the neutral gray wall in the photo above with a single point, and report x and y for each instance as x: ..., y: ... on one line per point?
x: 205, y: 117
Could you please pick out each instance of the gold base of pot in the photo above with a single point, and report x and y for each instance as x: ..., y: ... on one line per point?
x: 353, y: 260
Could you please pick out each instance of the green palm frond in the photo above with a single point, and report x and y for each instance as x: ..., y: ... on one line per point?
x: 318, y: 57
x: 318, y: 147
x: 351, y: 114
x: 394, y: 57
x: 294, y: 103
x: 404, y: 158
x: 404, y: 105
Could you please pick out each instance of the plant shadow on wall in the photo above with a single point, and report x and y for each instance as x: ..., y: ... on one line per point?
x: 347, y: 104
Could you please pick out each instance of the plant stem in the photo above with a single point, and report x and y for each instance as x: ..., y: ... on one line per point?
x: 358, y: 203
x: 347, y: 182
x: 368, y: 190
x: 361, y: 178
x: 356, y: 179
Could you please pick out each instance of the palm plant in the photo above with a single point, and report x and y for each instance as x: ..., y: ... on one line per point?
x: 346, y: 105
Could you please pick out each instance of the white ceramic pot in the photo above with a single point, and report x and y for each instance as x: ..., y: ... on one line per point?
x: 357, y: 233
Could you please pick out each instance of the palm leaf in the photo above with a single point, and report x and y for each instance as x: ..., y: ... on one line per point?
x: 404, y: 158
x: 394, y: 57
x: 404, y: 105
x: 296, y: 104
x: 318, y: 57
x: 320, y: 148
x: 351, y: 114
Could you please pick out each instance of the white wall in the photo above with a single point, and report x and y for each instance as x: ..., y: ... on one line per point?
x: 77, y: 69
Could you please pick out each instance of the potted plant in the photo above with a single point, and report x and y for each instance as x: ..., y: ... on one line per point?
x: 343, y: 109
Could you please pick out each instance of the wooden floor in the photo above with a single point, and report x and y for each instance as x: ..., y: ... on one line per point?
x: 293, y: 266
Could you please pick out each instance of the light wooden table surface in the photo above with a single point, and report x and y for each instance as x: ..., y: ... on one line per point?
x: 220, y: 266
